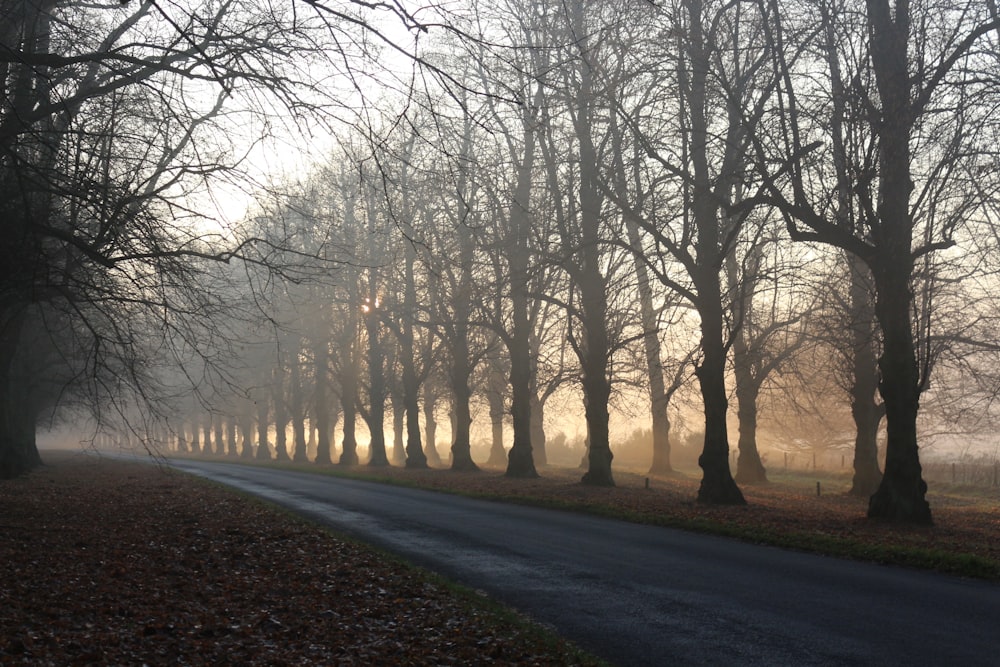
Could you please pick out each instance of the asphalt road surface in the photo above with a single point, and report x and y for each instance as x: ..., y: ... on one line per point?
x: 645, y: 595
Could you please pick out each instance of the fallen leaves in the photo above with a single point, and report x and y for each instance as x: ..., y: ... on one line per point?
x: 104, y: 562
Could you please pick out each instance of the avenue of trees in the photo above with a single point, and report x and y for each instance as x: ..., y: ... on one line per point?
x: 779, y: 216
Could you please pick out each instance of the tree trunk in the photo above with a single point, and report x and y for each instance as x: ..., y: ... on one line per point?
x: 461, y: 447
x: 866, y: 412
x: 498, y: 456
x: 246, y: 432
x: 430, y: 425
x: 520, y: 462
x: 867, y: 416
x: 18, y: 448
x: 717, y: 484
x: 220, y: 439
x: 349, y: 404
x: 231, y: 436
x: 263, y: 448
x: 208, y: 447
x: 748, y: 367
x: 195, y: 437
x: 321, y: 403
x: 658, y: 400
x: 595, y: 356
x: 749, y: 467
x: 901, y: 494
x: 298, y: 412
x: 182, y: 444
x: 398, y: 427
x: 280, y: 417
x: 596, y: 384
x: 538, y: 429
x: 415, y: 457
x: 377, y: 389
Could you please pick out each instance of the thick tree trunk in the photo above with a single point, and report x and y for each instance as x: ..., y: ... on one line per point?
x: 415, y: 457
x: 18, y: 449
x: 599, y: 452
x: 901, y: 494
x: 717, y: 484
x: 867, y: 475
x: 462, y: 306
x: 596, y: 384
x: 301, y: 454
x: 208, y: 447
x: 748, y: 367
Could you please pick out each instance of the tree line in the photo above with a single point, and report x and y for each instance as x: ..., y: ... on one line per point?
x: 786, y: 206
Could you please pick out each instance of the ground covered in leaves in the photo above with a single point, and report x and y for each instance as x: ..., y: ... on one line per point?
x: 107, y: 562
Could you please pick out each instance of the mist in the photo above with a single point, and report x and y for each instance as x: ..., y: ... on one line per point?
x: 579, y: 235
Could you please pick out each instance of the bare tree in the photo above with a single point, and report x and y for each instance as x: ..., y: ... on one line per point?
x: 914, y: 81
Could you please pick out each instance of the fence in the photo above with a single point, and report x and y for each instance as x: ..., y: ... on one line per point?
x: 980, y: 471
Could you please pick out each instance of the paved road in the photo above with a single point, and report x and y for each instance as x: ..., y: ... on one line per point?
x: 643, y: 595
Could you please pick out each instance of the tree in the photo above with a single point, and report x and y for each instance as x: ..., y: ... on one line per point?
x: 720, y: 82
x: 585, y: 256
x: 768, y: 329
x: 511, y: 241
x: 913, y: 69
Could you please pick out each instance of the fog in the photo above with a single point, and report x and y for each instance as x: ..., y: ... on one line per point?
x: 507, y: 235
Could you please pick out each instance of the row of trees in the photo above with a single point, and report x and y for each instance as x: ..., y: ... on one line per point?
x: 118, y: 123
x: 624, y: 182
x: 773, y: 199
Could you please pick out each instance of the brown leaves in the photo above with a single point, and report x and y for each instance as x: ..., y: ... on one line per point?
x: 114, y: 563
